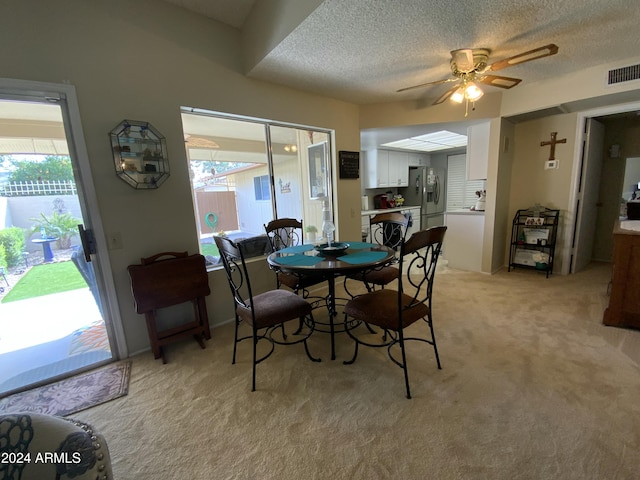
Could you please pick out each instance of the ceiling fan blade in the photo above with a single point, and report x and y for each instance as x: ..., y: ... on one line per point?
x: 428, y: 84
x: 463, y: 58
x: 498, y: 81
x: 446, y: 95
x: 534, y: 54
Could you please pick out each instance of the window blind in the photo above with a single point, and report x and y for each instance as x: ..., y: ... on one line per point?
x: 461, y: 193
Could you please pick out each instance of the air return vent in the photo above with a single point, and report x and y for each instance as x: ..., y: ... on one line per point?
x: 623, y: 74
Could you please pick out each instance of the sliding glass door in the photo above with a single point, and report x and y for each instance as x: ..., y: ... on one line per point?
x: 52, y: 314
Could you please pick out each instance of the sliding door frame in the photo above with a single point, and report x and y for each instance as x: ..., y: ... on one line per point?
x: 65, y: 96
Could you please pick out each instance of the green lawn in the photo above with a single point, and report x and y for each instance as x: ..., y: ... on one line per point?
x: 209, y: 249
x: 46, y: 279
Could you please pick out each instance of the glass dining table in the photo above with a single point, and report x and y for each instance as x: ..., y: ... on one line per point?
x: 308, y: 259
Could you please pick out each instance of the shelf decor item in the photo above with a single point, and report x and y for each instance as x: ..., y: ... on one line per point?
x: 139, y: 154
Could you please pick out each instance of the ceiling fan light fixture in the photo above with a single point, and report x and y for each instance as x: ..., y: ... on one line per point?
x: 472, y: 92
x: 290, y: 148
x: 458, y: 96
x: 470, y: 65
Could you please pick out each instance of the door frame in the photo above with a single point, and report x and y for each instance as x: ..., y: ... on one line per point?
x: 592, y: 150
x: 577, y: 166
x: 86, y: 190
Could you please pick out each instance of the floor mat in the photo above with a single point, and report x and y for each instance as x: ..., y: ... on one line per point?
x: 90, y: 338
x: 73, y: 394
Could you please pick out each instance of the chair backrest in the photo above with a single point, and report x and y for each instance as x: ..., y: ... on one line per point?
x: 236, y: 270
x: 284, y: 232
x: 418, y: 260
x: 389, y: 229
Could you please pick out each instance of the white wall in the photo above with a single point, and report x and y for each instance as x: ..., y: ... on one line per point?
x: 499, y: 219
x: 143, y: 60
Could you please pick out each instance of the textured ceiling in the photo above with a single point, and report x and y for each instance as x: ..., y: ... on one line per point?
x: 362, y: 51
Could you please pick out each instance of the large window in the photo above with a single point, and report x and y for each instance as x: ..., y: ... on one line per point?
x: 246, y: 172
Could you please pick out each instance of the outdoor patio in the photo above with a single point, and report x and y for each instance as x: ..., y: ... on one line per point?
x: 62, y: 332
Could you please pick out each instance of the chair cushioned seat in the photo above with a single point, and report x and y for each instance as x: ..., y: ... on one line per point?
x: 379, y: 276
x: 381, y: 308
x: 274, y: 307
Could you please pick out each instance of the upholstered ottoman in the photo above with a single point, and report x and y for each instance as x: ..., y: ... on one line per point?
x: 34, y: 446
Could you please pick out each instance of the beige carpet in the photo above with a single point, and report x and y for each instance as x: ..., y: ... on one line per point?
x: 533, y: 386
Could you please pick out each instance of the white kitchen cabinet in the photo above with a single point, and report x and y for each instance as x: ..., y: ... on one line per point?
x: 398, y: 169
x: 478, y: 151
x: 418, y: 159
x: 386, y: 168
x: 376, y: 167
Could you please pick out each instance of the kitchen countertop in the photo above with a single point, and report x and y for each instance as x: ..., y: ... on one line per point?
x: 383, y: 210
x: 626, y: 226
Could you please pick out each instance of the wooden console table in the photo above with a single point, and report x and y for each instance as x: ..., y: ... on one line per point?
x: 624, y: 302
x: 160, y: 283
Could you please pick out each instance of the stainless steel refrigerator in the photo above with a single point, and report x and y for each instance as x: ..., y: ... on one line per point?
x: 427, y: 189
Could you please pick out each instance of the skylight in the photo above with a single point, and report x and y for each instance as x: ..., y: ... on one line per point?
x: 430, y: 142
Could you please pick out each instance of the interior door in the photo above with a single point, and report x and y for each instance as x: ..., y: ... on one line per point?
x: 587, y: 199
x: 50, y: 333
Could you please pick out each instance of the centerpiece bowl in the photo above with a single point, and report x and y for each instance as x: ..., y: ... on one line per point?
x: 336, y: 248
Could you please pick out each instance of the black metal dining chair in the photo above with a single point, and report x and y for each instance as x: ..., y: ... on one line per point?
x: 388, y: 229
x: 395, y: 310
x: 264, y: 313
x: 287, y: 232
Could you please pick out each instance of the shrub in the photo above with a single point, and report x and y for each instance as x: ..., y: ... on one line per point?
x: 3, y: 257
x: 53, y: 167
x: 62, y: 226
x: 12, y: 239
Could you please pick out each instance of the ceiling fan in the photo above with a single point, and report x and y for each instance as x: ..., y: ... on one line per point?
x: 470, y: 67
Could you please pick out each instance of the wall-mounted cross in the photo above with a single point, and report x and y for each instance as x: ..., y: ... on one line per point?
x: 553, y: 142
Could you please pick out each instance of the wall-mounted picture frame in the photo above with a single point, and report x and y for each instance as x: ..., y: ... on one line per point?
x: 318, y: 170
x: 349, y: 164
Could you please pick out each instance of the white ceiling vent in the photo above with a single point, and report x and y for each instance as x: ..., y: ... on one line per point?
x: 623, y: 74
